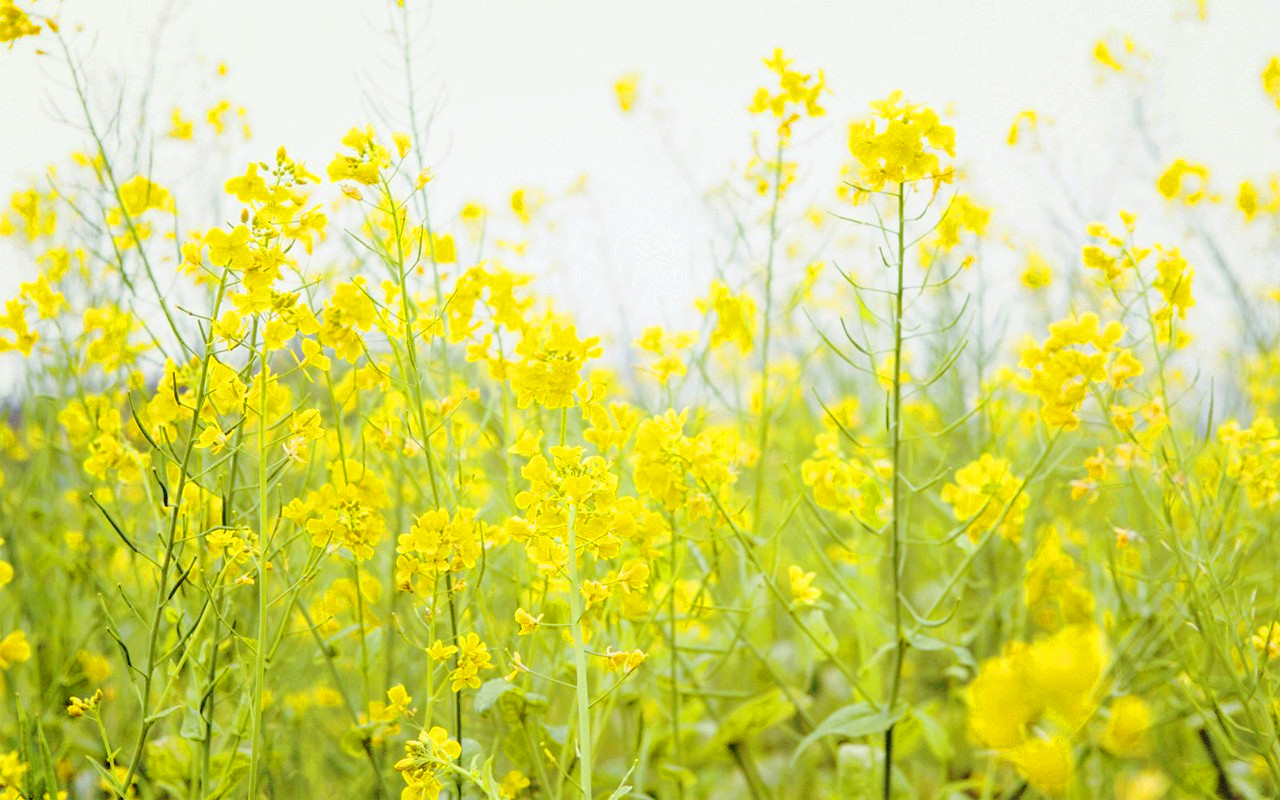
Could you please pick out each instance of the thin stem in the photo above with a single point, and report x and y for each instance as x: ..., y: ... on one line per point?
x: 260, y: 646
x: 895, y: 539
x: 675, y: 654
x: 766, y: 328
x: 580, y: 664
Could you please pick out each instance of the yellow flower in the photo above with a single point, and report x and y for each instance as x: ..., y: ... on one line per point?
x: 1055, y: 589
x: 442, y: 249
x: 368, y: 159
x: 1027, y: 119
x: 229, y: 249
x: 1105, y: 55
x: 735, y: 316
x: 182, y: 127
x: 1000, y: 705
x: 797, y: 94
x: 1075, y: 356
x: 522, y: 202
x: 1271, y: 79
x: 437, y: 543
x: 1247, y: 201
x: 1037, y: 274
x: 1055, y: 679
x: 1067, y: 668
x: 346, y: 512
x: 980, y: 494
x: 1102, y: 55
x: 667, y: 348
x: 513, y: 783
x: 80, y: 706
x: 1253, y: 459
x: 473, y: 656
x: 962, y: 215
x: 900, y: 143
x: 625, y: 90
x: 1045, y: 763
x: 216, y: 116
x: 1267, y: 641
x: 1185, y: 181
x: 1126, y: 733
x: 348, y: 313
x: 803, y: 592
x: 528, y: 623
x: 48, y: 302
x: 622, y: 661
x: 402, y: 142
x: 212, y: 438
x: 551, y: 360
x: 14, y: 649
x: 14, y: 23
x: 1148, y: 784
x: 423, y: 761
x: 439, y: 651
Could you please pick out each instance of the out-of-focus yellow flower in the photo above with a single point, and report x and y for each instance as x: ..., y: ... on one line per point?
x: 735, y: 316
x: 1126, y: 733
x: 14, y: 649
x: 982, y: 491
x: 1185, y: 181
x: 1271, y: 79
x: 797, y: 93
x: 1045, y: 763
x: 1025, y: 120
x: 16, y: 23
x: 625, y: 90
x: 803, y: 592
x: 1267, y: 641
x: 1037, y: 274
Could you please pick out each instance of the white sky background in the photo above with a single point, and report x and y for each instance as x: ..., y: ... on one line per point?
x: 527, y: 100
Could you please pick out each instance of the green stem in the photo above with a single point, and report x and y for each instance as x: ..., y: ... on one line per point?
x: 766, y: 331
x: 895, y: 541
x: 260, y: 645
x: 580, y: 663
x: 675, y: 654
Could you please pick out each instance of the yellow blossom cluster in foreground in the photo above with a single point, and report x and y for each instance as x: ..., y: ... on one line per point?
x: 319, y: 496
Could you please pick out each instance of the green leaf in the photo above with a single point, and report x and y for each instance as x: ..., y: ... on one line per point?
x: 556, y: 733
x: 926, y: 643
x: 850, y: 722
x: 34, y: 749
x: 193, y: 726
x: 354, y: 741
x: 489, y: 693
x: 755, y: 715
x: 624, y: 788
x: 935, y: 735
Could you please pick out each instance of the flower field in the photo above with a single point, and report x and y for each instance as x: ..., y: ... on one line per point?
x: 313, y: 491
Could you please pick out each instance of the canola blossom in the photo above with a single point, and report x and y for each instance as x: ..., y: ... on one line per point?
x: 324, y: 494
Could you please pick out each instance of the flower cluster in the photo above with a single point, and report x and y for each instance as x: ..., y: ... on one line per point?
x: 424, y: 759
x: 1028, y: 703
x: 899, y: 143
x: 1077, y: 356
x: 797, y: 93
x: 735, y: 316
x: 437, y: 544
x: 988, y: 497
x: 678, y: 471
x: 551, y: 361
x: 1253, y: 459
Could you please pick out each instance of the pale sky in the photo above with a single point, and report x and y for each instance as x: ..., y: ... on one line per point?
x: 525, y: 91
